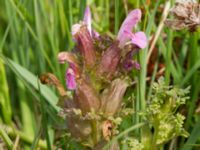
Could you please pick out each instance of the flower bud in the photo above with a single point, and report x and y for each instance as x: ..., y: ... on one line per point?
x: 85, y: 46
x: 109, y: 61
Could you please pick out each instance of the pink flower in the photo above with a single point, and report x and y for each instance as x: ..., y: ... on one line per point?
x: 70, y: 79
x: 73, y: 71
x: 125, y: 33
x: 87, y: 19
x: 83, y: 35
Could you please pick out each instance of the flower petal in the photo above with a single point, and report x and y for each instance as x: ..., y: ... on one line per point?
x: 87, y: 19
x: 64, y: 57
x: 75, y: 28
x: 127, y: 35
x: 70, y: 79
x: 139, y: 39
x: 131, y: 20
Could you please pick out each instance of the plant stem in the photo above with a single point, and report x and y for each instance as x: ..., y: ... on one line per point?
x: 95, y: 132
x: 6, y: 138
x: 6, y: 109
x: 116, y: 16
x: 26, y: 138
x: 125, y: 132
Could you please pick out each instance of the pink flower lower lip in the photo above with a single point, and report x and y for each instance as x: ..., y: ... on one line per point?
x: 70, y: 79
x: 125, y: 33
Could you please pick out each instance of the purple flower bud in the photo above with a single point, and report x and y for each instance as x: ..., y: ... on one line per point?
x: 87, y: 20
x: 136, y: 65
x: 70, y: 79
x: 85, y: 46
x: 110, y: 60
x: 129, y: 63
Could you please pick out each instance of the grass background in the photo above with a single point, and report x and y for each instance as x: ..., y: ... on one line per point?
x: 32, y: 32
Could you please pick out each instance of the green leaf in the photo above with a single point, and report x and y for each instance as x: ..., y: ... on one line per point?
x: 31, y: 79
x: 193, y: 137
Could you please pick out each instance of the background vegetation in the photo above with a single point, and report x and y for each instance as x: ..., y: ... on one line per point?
x: 32, y: 32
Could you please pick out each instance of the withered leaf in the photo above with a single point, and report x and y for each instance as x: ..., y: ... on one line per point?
x: 175, y: 24
x: 186, y: 15
x: 107, y: 129
x: 51, y: 79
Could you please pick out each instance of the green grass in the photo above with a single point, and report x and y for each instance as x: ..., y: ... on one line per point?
x: 33, y: 32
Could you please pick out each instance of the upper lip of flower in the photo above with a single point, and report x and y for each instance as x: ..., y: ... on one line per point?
x: 125, y: 33
x: 70, y: 79
x: 87, y: 19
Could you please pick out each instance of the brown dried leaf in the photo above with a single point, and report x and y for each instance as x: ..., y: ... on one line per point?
x: 187, y: 15
x: 107, y: 127
x: 175, y: 24
x: 51, y: 79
